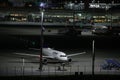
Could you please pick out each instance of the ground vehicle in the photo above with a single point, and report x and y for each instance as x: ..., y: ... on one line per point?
x: 111, y: 64
x: 100, y: 29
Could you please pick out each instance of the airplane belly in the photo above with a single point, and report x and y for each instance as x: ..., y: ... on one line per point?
x: 54, y: 61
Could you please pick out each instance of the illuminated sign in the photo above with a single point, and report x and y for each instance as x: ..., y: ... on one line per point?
x: 94, y: 6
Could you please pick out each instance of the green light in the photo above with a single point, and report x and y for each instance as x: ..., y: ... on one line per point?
x: 33, y: 43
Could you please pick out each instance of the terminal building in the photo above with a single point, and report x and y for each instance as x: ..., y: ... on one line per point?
x: 62, y: 14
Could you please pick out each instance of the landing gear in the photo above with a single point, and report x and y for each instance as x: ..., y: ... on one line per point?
x: 62, y: 67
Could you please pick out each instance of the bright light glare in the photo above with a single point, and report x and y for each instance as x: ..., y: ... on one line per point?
x: 42, y: 4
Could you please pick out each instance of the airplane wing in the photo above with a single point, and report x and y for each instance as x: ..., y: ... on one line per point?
x: 67, y: 55
x: 32, y: 55
x: 76, y: 54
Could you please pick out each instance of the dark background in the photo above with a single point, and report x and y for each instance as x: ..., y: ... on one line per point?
x: 62, y: 42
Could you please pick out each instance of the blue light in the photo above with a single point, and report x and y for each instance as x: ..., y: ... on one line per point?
x: 42, y: 4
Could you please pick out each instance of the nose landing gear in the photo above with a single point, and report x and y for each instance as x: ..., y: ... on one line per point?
x: 62, y: 67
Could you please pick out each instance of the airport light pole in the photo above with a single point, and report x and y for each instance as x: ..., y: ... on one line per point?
x: 112, y: 3
x: 93, y: 57
x: 41, y: 39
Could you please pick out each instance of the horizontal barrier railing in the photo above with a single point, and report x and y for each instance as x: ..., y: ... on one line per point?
x: 54, y: 70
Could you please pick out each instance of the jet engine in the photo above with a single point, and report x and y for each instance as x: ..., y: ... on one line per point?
x: 69, y: 60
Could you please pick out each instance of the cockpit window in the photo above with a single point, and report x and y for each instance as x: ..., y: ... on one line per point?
x: 62, y: 55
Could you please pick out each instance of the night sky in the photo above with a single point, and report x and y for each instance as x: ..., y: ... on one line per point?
x: 56, y: 1
x: 21, y: 3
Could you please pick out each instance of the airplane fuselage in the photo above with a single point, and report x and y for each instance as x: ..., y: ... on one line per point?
x: 52, y: 54
x: 58, y: 55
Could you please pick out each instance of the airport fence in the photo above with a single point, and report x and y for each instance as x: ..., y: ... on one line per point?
x: 54, y: 70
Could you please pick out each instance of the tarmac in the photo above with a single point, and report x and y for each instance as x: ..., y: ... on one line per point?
x: 15, y: 65
x: 106, y: 47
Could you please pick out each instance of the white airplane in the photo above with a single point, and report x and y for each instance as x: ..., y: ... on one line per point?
x: 52, y: 54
